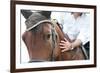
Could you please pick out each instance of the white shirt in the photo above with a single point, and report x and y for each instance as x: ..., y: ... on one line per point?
x: 75, y: 28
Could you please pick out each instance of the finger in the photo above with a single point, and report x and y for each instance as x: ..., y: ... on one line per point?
x: 62, y: 47
x: 64, y: 50
x: 62, y: 42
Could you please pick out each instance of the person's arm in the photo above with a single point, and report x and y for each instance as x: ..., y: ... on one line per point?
x: 66, y: 45
x: 76, y: 43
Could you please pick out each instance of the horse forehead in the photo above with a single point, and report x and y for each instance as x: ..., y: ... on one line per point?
x: 47, y: 27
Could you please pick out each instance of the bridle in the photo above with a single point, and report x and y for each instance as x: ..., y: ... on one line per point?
x: 54, y: 39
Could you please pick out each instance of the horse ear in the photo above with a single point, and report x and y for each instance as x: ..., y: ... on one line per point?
x: 26, y: 13
x: 45, y: 13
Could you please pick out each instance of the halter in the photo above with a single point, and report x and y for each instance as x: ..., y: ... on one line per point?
x: 38, y: 24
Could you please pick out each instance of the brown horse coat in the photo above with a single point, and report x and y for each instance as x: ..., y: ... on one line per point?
x: 39, y: 43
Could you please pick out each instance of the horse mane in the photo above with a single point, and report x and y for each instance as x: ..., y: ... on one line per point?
x: 60, y: 32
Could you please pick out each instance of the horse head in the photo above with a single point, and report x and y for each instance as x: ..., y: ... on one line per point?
x: 39, y: 38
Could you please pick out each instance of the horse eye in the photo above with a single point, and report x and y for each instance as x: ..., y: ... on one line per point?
x: 48, y: 36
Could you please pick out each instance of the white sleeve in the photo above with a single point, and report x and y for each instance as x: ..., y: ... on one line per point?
x: 82, y: 37
x: 84, y: 34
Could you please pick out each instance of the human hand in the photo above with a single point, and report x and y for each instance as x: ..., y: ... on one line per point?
x: 65, y: 45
